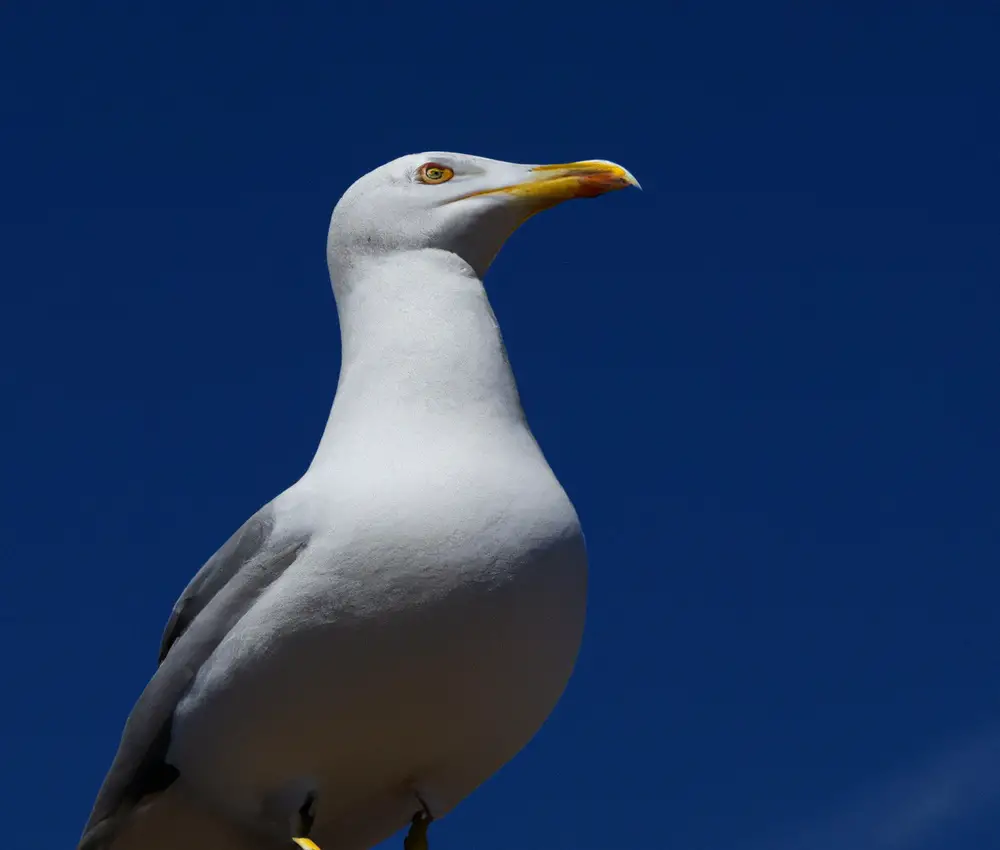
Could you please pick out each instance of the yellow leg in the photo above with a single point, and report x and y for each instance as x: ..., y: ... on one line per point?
x: 306, y: 843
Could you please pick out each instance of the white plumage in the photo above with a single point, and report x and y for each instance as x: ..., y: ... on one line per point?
x: 396, y: 625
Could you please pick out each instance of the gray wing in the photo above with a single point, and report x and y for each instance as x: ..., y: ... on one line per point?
x: 214, y: 575
x: 217, y: 597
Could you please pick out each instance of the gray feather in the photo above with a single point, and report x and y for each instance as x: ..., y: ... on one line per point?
x: 215, y: 573
x: 218, y: 596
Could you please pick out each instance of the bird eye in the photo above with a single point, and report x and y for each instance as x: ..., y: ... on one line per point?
x: 431, y: 172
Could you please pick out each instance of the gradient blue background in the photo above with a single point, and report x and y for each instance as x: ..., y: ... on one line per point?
x: 768, y: 381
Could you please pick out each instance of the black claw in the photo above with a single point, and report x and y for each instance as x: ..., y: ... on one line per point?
x: 416, y: 837
x: 307, y: 811
x: 425, y: 810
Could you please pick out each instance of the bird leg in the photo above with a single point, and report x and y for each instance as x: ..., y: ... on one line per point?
x: 416, y: 838
x: 307, y: 815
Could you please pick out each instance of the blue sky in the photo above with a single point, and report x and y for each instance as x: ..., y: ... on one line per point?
x: 768, y: 382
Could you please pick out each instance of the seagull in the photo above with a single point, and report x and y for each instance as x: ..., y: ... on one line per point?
x: 388, y: 632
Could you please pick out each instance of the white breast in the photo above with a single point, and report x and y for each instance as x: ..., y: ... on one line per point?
x: 421, y: 639
x: 433, y: 620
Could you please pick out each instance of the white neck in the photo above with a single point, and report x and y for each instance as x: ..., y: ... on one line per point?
x: 420, y: 346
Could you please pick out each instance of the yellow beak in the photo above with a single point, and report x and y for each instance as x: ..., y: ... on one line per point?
x: 549, y: 184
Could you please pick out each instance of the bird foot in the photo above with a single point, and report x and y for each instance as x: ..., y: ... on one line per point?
x: 416, y: 837
x: 307, y: 816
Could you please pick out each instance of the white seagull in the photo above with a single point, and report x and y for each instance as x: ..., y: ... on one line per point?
x: 388, y: 632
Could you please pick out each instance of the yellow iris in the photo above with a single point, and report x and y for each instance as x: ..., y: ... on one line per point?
x: 432, y: 173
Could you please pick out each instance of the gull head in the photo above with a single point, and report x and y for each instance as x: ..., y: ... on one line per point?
x: 461, y: 204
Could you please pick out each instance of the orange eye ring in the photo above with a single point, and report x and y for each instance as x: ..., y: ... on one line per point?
x: 432, y: 173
